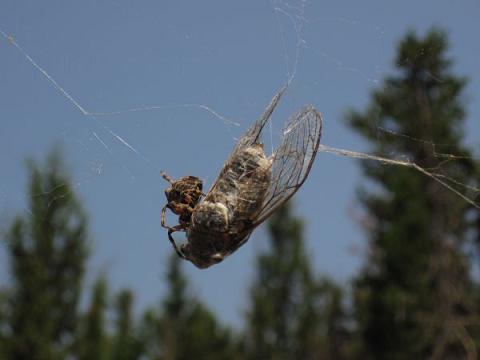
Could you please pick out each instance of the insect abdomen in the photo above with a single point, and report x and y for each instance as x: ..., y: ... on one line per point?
x: 222, y: 220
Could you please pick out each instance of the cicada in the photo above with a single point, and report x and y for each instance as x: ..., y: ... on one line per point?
x: 249, y: 188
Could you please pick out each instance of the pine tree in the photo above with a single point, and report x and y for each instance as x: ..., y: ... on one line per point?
x: 413, y: 298
x: 184, y: 328
x: 207, y: 338
x: 126, y: 343
x: 335, y: 339
x: 288, y: 317
x: 3, y: 324
x: 48, y: 249
x: 92, y: 340
x: 176, y: 308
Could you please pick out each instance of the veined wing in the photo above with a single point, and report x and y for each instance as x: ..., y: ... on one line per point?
x: 292, y: 160
x: 253, y: 134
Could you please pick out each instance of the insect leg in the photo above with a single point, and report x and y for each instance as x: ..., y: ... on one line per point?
x: 166, y: 177
x: 171, y: 231
x: 164, y: 213
x: 172, y: 240
x: 163, y: 221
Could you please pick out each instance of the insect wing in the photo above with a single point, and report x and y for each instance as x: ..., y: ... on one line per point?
x: 253, y: 134
x: 292, y: 160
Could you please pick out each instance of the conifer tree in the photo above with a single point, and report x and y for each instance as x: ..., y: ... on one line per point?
x: 176, y: 306
x: 288, y: 316
x: 3, y: 303
x: 92, y: 340
x: 184, y: 328
x: 413, y: 297
x: 47, y: 251
x: 335, y: 338
x: 126, y: 343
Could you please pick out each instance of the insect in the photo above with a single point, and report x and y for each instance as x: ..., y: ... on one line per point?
x: 249, y: 188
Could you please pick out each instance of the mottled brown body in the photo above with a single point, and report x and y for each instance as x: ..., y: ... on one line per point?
x: 223, y: 220
x: 250, y: 187
x: 183, y: 195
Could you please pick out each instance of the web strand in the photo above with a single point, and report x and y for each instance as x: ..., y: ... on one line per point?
x: 67, y: 95
x: 12, y: 41
x: 94, y: 115
x: 405, y: 163
x: 166, y: 107
x: 297, y: 20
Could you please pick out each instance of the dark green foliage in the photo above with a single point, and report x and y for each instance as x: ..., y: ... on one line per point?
x: 39, y: 317
x: 413, y: 299
x: 207, y: 339
x: 335, y: 338
x: 292, y: 316
x: 176, y: 308
x: 93, y: 341
x: 415, y: 285
x: 47, y: 250
x: 125, y: 345
x: 282, y: 315
x: 3, y: 313
x: 184, y: 328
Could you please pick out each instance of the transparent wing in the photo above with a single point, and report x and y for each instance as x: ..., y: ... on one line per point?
x: 292, y: 160
x: 253, y: 134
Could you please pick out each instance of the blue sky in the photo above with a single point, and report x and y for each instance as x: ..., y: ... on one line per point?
x: 230, y: 56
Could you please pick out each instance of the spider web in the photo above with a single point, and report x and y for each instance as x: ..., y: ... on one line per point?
x: 294, y: 14
x: 300, y: 30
